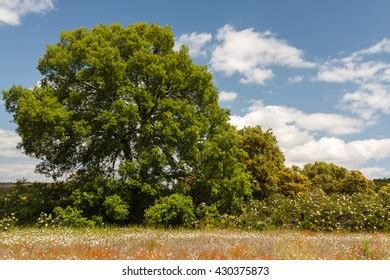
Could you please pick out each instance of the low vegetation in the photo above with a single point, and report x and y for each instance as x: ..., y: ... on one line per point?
x: 139, y: 243
x: 52, y: 205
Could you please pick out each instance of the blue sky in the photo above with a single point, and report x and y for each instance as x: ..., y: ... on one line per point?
x: 316, y: 72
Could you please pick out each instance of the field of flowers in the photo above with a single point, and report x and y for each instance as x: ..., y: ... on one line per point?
x: 140, y: 243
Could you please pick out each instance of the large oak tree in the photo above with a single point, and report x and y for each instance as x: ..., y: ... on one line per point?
x: 119, y: 102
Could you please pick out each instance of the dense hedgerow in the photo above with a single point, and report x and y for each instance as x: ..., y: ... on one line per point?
x: 29, y: 200
x: 314, y: 211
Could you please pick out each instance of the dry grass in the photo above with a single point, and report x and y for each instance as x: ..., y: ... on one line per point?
x: 139, y: 243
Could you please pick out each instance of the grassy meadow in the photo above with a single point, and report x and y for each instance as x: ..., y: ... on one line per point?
x: 148, y: 244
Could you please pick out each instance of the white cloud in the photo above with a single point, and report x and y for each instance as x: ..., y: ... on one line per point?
x: 355, y: 67
x: 336, y: 150
x: 371, y: 97
x: 295, y: 79
x: 296, y: 134
x: 375, y: 172
x: 340, y: 72
x: 15, y: 171
x: 381, y: 47
x: 11, y: 11
x: 227, y: 96
x: 278, y: 117
x: 196, y: 43
x: 368, y: 100
x: 14, y: 164
x: 251, y: 54
x: 8, y: 143
x: 257, y: 76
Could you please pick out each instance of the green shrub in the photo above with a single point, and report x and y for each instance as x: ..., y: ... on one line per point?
x: 116, y: 208
x: 29, y: 200
x: 207, y: 216
x: 355, y: 182
x: 8, y: 222
x: 46, y: 220
x: 313, y: 211
x: 71, y: 217
x: 384, y: 193
x: 107, y: 198
x: 90, y: 193
x: 171, y: 211
x: 319, y: 212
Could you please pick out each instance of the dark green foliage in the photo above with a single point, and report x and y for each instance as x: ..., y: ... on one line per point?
x: 220, y: 175
x: 207, y: 215
x: 381, y: 182
x: 4, y: 198
x: 116, y: 208
x: 171, y: 211
x: 29, y: 200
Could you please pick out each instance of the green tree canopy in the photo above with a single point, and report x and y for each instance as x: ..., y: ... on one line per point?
x: 265, y: 160
x: 292, y: 182
x: 112, y: 95
x: 336, y: 179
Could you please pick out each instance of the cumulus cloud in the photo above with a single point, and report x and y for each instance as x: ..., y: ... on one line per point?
x: 371, y: 96
x: 380, y: 47
x: 8, y: 142
x: 355, y: 67
x: 336, y: 150
x: 14, y: 164
x: 375, y: 172
x: 296, y: 134
x: 11, y: 11
x: 357, y: 72
x: 257, y: 76
x: 278, y: 117
x: 196, y: 43
x: 11, y: 172
x: 368, y: 100
x: 251, y: 54
x: 227, y: 96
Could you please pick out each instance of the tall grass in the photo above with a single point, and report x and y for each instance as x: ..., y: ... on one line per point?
x: 140, y: 243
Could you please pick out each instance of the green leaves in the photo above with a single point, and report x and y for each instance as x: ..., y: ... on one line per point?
x: 116, y: 208
x: 171, y: 211
x: 112, y: 94
x: 335, y: 179
x: 265, y: 161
